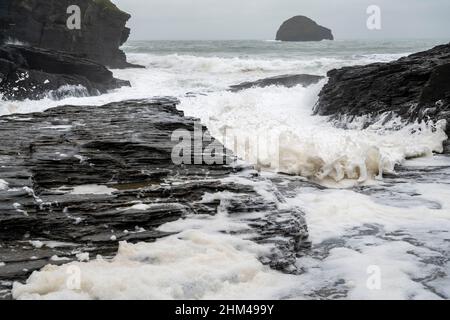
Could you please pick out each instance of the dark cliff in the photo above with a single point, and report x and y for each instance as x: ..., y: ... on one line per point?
x: 43, y: 23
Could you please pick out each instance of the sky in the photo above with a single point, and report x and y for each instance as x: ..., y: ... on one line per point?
x: 260, y: 19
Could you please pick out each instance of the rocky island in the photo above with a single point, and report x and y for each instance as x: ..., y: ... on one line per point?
x: 301, y: 28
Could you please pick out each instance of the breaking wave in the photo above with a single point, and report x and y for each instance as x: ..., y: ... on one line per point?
x: 274, y: 129
x: 67, y: 91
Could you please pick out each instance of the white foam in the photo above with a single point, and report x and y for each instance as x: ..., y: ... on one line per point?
x: 436, y: 160
x: 175, y: 75
x: 357, y: 235
x: 92, y: 189
x: 308, y: 145
x: 56, y: 258
x: 50, y: 244
x: 205, y: 261
x: 83, y: 257
x: 274, y: 129
x: 68, y: 91
x: 3, y: 185
x: 15, y: 42
x: 192, y: 265
x: 332, y: 212
x: 222, y: 65
x: 140, y: 206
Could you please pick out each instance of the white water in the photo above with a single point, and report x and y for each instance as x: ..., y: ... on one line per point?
x: 406, y: 241
x: 202, y: 262
x: 277, y: 120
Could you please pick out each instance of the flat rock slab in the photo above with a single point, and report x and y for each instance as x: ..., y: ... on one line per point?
x: 79, y: 179
x: 288, y: 81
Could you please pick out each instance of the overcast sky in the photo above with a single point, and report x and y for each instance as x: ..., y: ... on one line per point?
x: 260, y: 19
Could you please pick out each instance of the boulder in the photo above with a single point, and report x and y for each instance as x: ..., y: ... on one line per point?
x: 416, y: 87
x: 43, y: 23
x: 301, y: 28
x: 288, y: 81
x: 32, y: 73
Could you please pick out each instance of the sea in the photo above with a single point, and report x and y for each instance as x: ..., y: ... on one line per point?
x: 377, y: 201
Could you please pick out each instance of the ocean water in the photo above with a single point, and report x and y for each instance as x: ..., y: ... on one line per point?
x: 373, y: 221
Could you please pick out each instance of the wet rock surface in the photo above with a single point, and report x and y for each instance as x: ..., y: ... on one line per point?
x: 79, y: 179
x: 287, y: 81
x: 416, y: 87
x: 32, y: 73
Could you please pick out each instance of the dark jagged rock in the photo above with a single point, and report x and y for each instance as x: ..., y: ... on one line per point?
x: 4, y: 19
x: 31, y: 73
x: 43, y: 23
x: 416, y: 87
x: 288, y: 81
x: 126, y: 148
x: 301, y: 28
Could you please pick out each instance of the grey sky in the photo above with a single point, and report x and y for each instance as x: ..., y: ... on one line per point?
x: 260, y: 19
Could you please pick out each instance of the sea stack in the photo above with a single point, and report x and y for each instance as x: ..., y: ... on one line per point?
x: 301, y: 28
x: 42, y: 24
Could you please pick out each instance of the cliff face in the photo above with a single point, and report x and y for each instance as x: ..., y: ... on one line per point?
x: 43, y: 23
x: 301, y: 28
